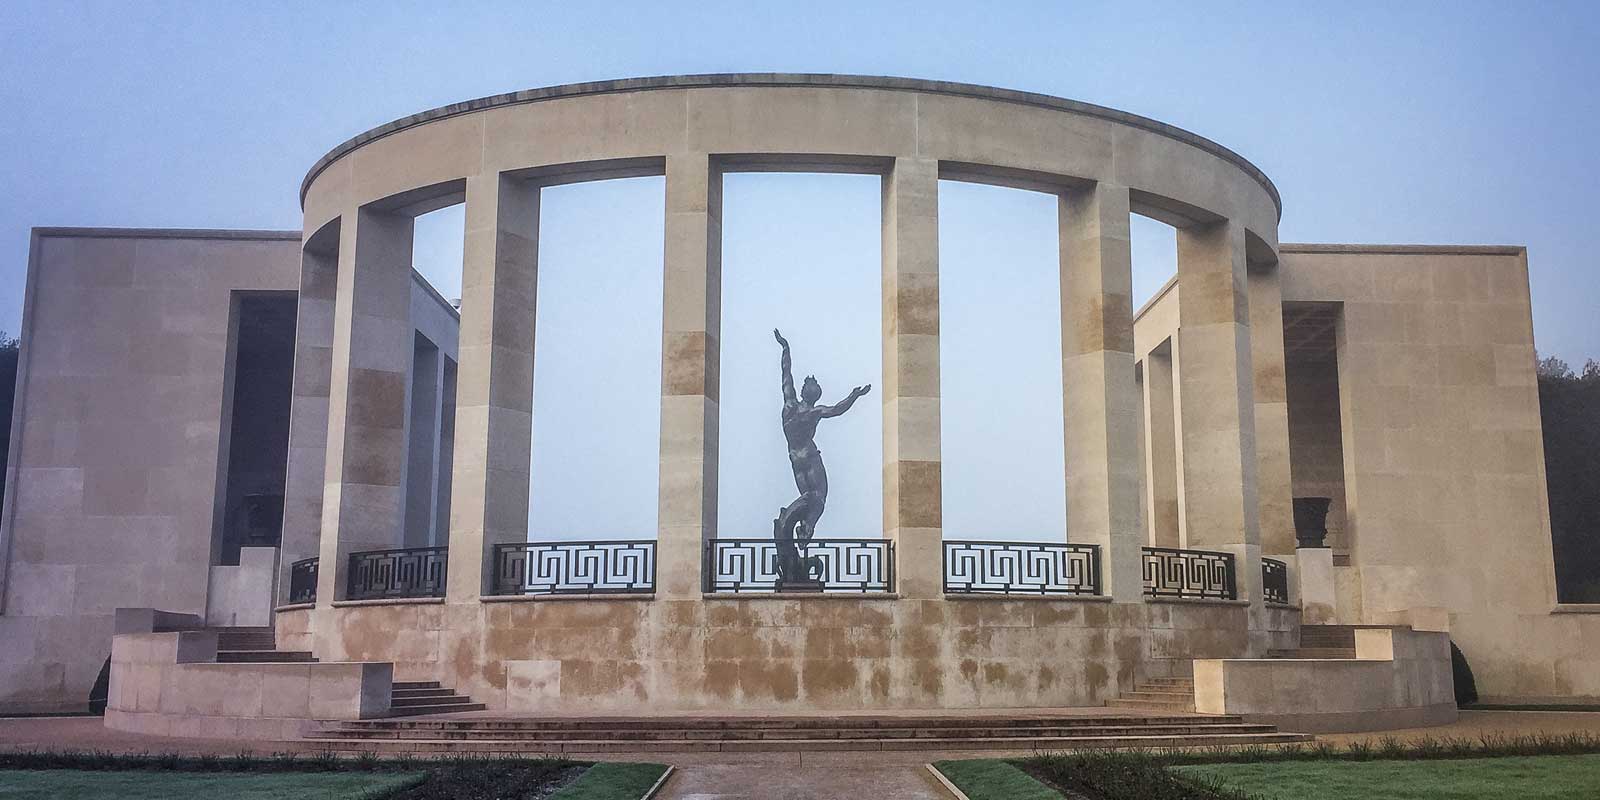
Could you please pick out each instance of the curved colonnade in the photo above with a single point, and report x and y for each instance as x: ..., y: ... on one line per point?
x: 684, y: 649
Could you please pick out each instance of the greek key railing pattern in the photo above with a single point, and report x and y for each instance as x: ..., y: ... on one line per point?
x: 409, y: 572
x: 1170, y: 572
x: 303, y: 581
x: 1274, y: 581
x: 847, y: 565
x: 599, y: 567
x: 973, y: 567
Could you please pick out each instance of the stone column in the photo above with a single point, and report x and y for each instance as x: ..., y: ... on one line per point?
x: 308, y: 406
x: 372, y: 344
x: 1161, y: 454
x: 1101, y: 402
x: 691, y: 322
x: 1215, y: 384
x: 1274, y: 502
x: 912, y: 501
x: 422, y: 435
x: 494, y: 379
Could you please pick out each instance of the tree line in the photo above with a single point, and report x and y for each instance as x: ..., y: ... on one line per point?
x: 1569, y: 403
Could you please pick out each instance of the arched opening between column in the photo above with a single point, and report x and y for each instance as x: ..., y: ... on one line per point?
x: 801, y: 253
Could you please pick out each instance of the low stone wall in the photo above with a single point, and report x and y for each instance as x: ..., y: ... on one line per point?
x: 1400, y: 678
x: 784, y: 654
x: 169, y: 684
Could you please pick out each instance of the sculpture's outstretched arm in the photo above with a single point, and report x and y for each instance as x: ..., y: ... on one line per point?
x: 845, y: 404
x: 788, y: 379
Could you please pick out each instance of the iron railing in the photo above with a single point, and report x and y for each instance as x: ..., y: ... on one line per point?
x: 978, y: 567
x: 303, y: 581
x: 1203, y: 574
x: 599, y: 567
x: 841, y: 565
x: 1274, y: 581
x: 407, y: 572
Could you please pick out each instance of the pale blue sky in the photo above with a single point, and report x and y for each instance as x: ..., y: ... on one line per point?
x: 1379, y: 122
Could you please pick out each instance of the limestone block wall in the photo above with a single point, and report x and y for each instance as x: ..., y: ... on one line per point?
x: 777, y: 654
x: 1443, y: 458
x: 1400, y: 678
x: 114, y: 448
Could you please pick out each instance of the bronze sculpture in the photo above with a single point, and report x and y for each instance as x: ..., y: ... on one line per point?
x: 797, y: 522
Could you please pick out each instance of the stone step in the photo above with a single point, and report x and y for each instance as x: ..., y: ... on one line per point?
x: 398, y: 693
x: 1314, y: 652
x: 1153, y: 705
x: 452, y: 708
x: 436, y: 700
x: 1110, y: 719
x: 1158, y: 696
x: 263, y: 656
x: 414, y: 685
x: 1035, y: 743
x: 789, y: 735
x: 245, y: 638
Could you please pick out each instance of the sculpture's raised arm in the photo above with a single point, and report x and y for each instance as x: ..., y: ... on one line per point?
x: 788, y: 379
x: 845, y: 404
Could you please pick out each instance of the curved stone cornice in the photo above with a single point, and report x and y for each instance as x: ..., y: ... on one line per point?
x: 774, y: 79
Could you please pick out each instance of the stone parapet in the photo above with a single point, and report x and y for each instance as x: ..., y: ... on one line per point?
x: 170, y: 684
x: 783, y: 654
x: 1400, y: 678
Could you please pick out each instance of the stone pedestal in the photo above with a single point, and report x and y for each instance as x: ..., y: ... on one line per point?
x: 1311, y: 582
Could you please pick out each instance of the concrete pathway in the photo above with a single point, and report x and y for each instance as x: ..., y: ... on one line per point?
x: 816, y: 779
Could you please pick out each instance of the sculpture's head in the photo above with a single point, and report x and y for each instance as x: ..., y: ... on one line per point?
x: 811, y: 391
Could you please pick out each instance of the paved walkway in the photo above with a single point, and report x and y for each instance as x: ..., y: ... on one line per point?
x: 888, y: 775
x: 821, y: 776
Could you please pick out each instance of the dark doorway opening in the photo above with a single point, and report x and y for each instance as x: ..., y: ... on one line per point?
x: 256, y: 449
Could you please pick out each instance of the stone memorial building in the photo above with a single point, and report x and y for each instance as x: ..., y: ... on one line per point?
x: 274, y: 477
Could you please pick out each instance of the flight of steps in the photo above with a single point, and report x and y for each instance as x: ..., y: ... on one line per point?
x: 241, y: 645
x: 1166, y: 695
x: 416, y: 698
x: 787, y: 734
x: 1322, y: 641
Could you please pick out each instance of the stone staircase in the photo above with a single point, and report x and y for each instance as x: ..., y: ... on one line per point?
x: 1164, y: 695
x: 1322, y: 641
x: 258, y: 645
x: 242, y: 645
x: 416, y: 698
x: 978, y: 731
x: 1176, y: 695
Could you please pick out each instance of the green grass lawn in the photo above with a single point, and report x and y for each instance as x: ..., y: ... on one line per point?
x: 612, y: 781
x: 993, y: 779
x: 64, y: 784
x: 1524, y: 778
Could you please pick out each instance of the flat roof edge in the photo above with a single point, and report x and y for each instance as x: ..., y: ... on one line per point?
x: 775, y: 79
x: 168, y: 233
x: 1407, y: 249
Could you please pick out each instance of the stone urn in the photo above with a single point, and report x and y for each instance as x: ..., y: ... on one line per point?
x: 1311, y: 521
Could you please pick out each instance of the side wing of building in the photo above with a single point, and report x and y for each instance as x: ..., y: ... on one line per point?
x: 117, y: 439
